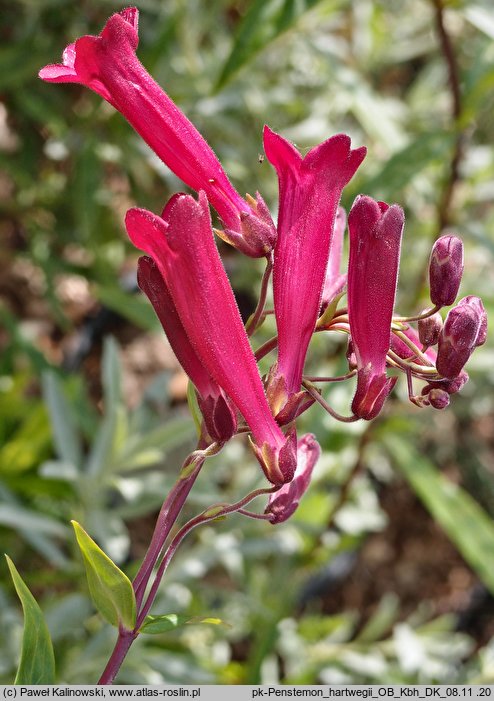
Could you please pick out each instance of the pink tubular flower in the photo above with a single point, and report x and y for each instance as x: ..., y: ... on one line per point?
x: 310, y: 189
x: 375, y: 239
x: 219, y: 416
x: 108, y: 65
x: 285, y: 501
x: 182, y: 245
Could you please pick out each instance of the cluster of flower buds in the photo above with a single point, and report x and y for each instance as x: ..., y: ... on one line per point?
x: 184, y: 278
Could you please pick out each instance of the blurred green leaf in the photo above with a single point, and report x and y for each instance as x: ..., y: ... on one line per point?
x: 264, y: 21
x: 141, y: 450
x: 87, y: 182
x: 111, y: 374
x: 463, y: 520
x: 37, y: 663
x: 102, y: 449
x: 15, y: 516
x: 64, y: 431
x: 381, y: 620
x: 408, y: 163
x: 132, y: 307
x: 30, y: 442
x: 171, y: 621
x: 110, y: 589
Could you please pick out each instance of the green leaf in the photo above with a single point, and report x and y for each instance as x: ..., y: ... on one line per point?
x: 63, y: 426
x: 110, y: 589
x: 143, y: 450
x: 133, y: 307
x: 408, y: 163
x: 462, y: 519
x: 154, y: 625
x: 37, y: 664
x: 30, y: 442
x: 103, y: 448
x: 111, y: 374
x: 264, y: 21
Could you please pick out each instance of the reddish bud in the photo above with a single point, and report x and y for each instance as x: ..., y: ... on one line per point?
x: 283, y: 503
x: 476, y: 304
x: 438, y: 398
x: 449, y: 386
x: 429, y: 329
x: 445, y: 270
x: 459, y: 337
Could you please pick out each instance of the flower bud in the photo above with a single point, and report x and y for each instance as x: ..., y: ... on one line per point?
x: 445, y: 270
x: 429, y: 329
x: 283, y: 503
x: 476, y: 304
x: 449, y: 386
x: 438, y: 398
x: 459, y: 336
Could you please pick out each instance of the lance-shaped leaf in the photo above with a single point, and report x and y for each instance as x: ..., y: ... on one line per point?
x: 111, y: 590
x: 37, y: 663
x: 156, y: 625
x: 108, y: 65
x: 310, y: 189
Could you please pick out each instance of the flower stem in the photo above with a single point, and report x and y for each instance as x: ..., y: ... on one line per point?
x: 256, y: 317
x: 320, y: 399
x: 417, y: 317
x: 125, y: 640
x: 168, y: 515
x: 210, y: 514
x: 340, y: 378
x: 266, y: 348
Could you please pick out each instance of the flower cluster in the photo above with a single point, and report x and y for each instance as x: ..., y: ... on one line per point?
x: 184, y: 278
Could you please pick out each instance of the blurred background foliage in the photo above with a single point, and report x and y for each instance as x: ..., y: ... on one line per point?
x: 386, y: 572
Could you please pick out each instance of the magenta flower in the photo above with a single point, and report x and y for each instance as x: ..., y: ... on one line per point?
x: 310, y: 189
x: 375, y: 239
x: 285, y: 501
x: 181, y: 243
x: 219, y: 415
x: 108, y: 65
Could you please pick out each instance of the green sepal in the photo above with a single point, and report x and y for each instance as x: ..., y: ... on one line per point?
x: 194, y: 407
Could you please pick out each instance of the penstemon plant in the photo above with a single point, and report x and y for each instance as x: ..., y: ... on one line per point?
x: 183, y: 276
